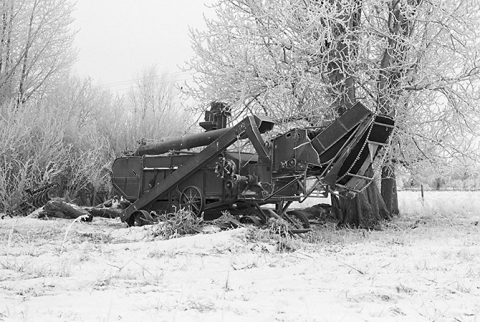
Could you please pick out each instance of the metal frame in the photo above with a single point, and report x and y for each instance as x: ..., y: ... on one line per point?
x: 249, y: 127
x: 336, y: 143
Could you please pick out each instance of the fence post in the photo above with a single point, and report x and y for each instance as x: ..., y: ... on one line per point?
x: 421, y: 191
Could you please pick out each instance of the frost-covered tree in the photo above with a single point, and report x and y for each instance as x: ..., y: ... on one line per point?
x: 153, y: 107
x: 35, y: 46
x: 416, y: 60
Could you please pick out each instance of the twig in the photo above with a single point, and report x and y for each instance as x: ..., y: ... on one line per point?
x: 354, y: 268
x: 304, y: 254
x: 68, y: 229
x: 10, y: 237
x: 248, y: 266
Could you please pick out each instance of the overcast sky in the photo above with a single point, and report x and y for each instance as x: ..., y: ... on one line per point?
x: 117, y: 39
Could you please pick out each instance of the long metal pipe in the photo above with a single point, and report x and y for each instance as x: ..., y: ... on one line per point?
x: 262, y: 123
x: 185, y: 142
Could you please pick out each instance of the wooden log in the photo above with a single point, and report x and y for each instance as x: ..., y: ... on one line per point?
x: 68, y: 210
x: 59, y: 208
x: 104, y: 212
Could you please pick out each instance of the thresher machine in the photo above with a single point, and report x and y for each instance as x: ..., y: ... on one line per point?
x: 254, y: 185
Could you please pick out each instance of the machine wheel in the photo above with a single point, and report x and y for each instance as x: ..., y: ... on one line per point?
x: 140, y: 218
x: 192, y: 199
x: 299, y: 218
x: 249, y: 219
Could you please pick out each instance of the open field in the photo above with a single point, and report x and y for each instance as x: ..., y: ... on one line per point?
x: 423, y: 266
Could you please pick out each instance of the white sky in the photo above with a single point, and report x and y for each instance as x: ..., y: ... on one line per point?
x: 117, y: 39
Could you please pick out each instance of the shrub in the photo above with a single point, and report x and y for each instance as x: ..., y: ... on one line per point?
x: 71, y: 137
x: 171, y: 225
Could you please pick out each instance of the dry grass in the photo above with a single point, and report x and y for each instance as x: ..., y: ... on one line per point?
x: 422, y: 266
x: 444, y: 205
x: 177, y: 224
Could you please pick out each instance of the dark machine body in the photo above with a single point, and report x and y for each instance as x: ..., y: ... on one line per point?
x: 164, y: 177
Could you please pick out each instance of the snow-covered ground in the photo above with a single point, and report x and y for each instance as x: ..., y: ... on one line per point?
x: 423, y: 266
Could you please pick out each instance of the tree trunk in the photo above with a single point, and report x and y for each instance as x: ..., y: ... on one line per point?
x: 366, y: 209
x: 393, y: 66
x: 389, y: 190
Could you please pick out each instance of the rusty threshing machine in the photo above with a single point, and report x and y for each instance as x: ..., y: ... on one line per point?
x: 254, y: 185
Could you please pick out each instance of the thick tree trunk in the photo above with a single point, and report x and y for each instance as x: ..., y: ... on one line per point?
x: 389, y: 190
x: 393, y: 65
x: 366, y: 209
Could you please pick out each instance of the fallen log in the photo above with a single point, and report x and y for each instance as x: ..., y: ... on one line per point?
x: 59, y: 208
x: 103, y: 212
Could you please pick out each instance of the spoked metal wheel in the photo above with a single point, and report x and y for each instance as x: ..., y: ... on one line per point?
x: 297, y: 219
x: 192, y: 199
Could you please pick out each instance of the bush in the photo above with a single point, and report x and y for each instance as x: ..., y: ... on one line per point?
x: 41, y: 144
x: 72, y: 135
x: 182, y: 222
